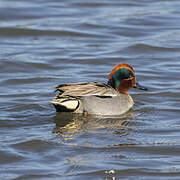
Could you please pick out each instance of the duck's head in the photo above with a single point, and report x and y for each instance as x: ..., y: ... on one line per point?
x: 122, y: 78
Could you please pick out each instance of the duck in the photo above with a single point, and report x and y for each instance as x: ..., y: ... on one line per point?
x: 99, y: 98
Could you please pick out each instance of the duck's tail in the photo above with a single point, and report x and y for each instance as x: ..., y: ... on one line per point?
x: 66, y: 104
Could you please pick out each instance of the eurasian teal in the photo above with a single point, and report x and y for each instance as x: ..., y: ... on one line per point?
x: 97, y: 97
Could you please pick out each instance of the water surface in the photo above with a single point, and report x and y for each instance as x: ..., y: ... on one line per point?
x: 46, y: 43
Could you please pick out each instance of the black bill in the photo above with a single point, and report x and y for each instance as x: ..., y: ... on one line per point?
x: 138, y: 86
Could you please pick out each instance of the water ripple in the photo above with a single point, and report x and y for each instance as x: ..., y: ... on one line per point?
x: 46, y: 43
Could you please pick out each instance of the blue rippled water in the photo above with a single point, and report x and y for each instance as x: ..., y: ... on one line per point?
x: 46, y: 43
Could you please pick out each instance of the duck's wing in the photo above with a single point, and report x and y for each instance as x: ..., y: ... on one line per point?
x: 86, y: 89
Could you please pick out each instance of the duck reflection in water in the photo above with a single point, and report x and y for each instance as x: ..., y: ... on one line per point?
x: 69, y: 125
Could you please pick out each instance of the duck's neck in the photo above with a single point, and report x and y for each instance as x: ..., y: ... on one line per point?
x: 123, y: 87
